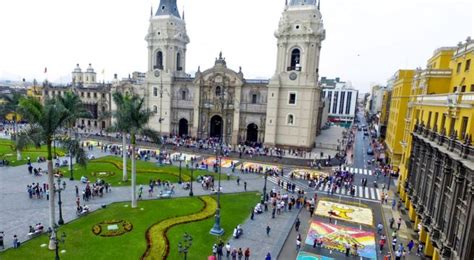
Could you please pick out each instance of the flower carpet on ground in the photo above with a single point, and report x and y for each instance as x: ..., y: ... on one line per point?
x: 345, y: 212
x: 257, y: 166
x: 225, y: 162
x: 336, y: 237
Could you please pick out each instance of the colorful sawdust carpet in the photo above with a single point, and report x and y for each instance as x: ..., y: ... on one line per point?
x: 310, y: 256
x: 225, y: 163
x: 300, y: 173
x: 336, y: 237
x: 345, y: 212
x: 257, y: 166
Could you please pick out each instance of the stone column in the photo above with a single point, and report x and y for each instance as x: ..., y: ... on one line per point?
x: 459, y: 178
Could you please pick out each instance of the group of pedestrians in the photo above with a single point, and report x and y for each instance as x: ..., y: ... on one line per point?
x: 220, y: 250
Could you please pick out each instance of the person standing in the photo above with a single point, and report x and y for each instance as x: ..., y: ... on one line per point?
x: 240, y: 253
x: 348, y: 249
x: 245, y: 186
x: 268, y: 257
x: 227, y: 250
x: 247, y: 254
x: 399, y: 223
x: 410, y: 245
x: 15, y: 241
x: 298, y: 243
x: 391, y: 222
x: 381, y: 245
x: 268, y: 231
x: 394, y: 243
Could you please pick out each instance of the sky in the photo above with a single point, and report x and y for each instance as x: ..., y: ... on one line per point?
x: 366, y: 40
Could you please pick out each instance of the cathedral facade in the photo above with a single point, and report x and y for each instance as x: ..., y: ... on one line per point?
x: 219, y: 102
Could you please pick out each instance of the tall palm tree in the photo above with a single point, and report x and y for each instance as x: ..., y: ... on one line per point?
x: 45, y: 120
x: 121, y: 125
x: 138, y: 117
x: 73, y: 104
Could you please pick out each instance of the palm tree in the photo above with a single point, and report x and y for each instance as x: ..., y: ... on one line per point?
x: 76, y: 151
x: 73, y: 104
x: 45, y: 120
x: 137, y: 117
x: 122, y: 125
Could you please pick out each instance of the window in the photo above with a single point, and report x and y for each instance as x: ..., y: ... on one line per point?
x: 82, y: 94
x: 103, y: 95
x: 429, y: 120
x: 472, y: 87
x: 465, y: 119
x: 183, y: 94
x: 254, y: 98
x: 103, y: 108
x: 463, y: 88
x: 295, y: 60
x: 155, y: 109
x: 458, y: 69
x: 436, y: 120
x: 292, y: 98
x: 329, y: 101
x: 155, y: 92
x: 46, y: 93
x: 443, y: 121
x: 95, y: 123
x: 334, y: 107
x: 95, y: 95
x: 290, y: 120
x: 159, y: 60
x: 218, y: 91
x: 468, y: 65
x: 455, y: 89
x: 88, y: 94
x: 341, y: 102
x: 178, y: 62
x: 451, y: 127
x: 349, y: 101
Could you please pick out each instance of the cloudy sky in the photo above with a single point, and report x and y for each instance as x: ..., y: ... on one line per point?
x: 367, y: 40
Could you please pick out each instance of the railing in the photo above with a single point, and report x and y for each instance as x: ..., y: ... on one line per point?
x: 453, y: 99
x: 463, y: 147
x: 257, y: 81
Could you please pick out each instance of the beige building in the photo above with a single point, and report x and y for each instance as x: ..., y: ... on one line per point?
x: 219, y: 101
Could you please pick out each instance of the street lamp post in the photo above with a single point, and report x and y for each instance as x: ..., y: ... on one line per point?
x: 264, y: 198
x: 54, y: 238
x: 58, y: 189
x: 185, y: 244
x: 180, y: 161
x: 191, y: 186
x: 217, y: 230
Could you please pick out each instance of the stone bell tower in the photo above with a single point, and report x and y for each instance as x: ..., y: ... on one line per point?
x: 167, y: 42
x: 293, y: 91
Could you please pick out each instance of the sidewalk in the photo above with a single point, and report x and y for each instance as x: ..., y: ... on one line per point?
x: 406, y: 232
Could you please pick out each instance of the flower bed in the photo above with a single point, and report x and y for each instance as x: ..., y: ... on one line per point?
x: 112, y: 228
x: 157, y: 242
x: 102, y: 174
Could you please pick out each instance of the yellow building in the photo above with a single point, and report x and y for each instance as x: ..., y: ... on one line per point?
x: 35, y: 91
x: 437, y: 163
x: 398, y: 108
x: 385, y: 112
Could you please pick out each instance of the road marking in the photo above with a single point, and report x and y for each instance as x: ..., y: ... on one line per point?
x: 370, y: 172
x: 378, y: 194
x: 361, y: 193
x: 365, y: 171
x: 372, y: 193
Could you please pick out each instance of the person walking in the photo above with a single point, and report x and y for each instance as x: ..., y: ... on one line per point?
x: 245, y: 186
x: 297, y: 224
x: 77, y: 191
x: 240, y: 254
x: 399, y: 223
x: 298, y: 243
x: 419, y: 251
x: 379, y: 228
x: 392, y: 221
x: 381, y: 245
x: 268, y: 231
x: 227, y: 250
x: 238, y: 180
x: 394, y: 243
x: 268, y: 257
x: 410, y: 246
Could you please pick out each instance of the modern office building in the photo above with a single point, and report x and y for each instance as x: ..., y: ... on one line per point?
x: 341, y: 101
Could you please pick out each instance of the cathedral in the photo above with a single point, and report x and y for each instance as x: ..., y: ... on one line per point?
x: 283, y: 111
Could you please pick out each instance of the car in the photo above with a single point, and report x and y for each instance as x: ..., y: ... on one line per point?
x: 370, y: 151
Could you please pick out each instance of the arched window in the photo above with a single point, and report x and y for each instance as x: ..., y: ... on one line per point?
x: 290, y: 119
x: 295, y: 60
x: 159, y: 60
x: 218, y: 91
x: 155, y: 109
x: 178, y: 62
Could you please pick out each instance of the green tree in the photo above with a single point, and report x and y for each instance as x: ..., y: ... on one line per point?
x: 45, y: 120
x: 75, y: 108
x: 22, y: 141
x: 9, y: 105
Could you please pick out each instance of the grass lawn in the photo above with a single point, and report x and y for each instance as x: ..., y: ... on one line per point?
x: 81, y: 243
x: 7, y: 153
x: 145, y: 171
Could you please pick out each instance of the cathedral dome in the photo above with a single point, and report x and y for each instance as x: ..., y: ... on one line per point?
x: 168, y: 7
x: 90, y: 69
x: 77, y: 69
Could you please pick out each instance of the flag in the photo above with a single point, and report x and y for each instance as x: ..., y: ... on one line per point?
x: 45, y: 70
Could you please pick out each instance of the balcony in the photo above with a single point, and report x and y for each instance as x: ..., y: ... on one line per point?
x: 451, y: 100
x: 463, y: 148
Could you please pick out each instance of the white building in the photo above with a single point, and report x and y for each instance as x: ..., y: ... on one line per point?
x: 341, y: 100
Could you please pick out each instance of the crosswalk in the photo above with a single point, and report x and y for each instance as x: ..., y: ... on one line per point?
x: 360, y: 171
x: 366, y: 193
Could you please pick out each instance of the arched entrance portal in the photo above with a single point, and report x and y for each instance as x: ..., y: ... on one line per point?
x: 252, y: 133
x: 216, y: 126
x: 183, y: 127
